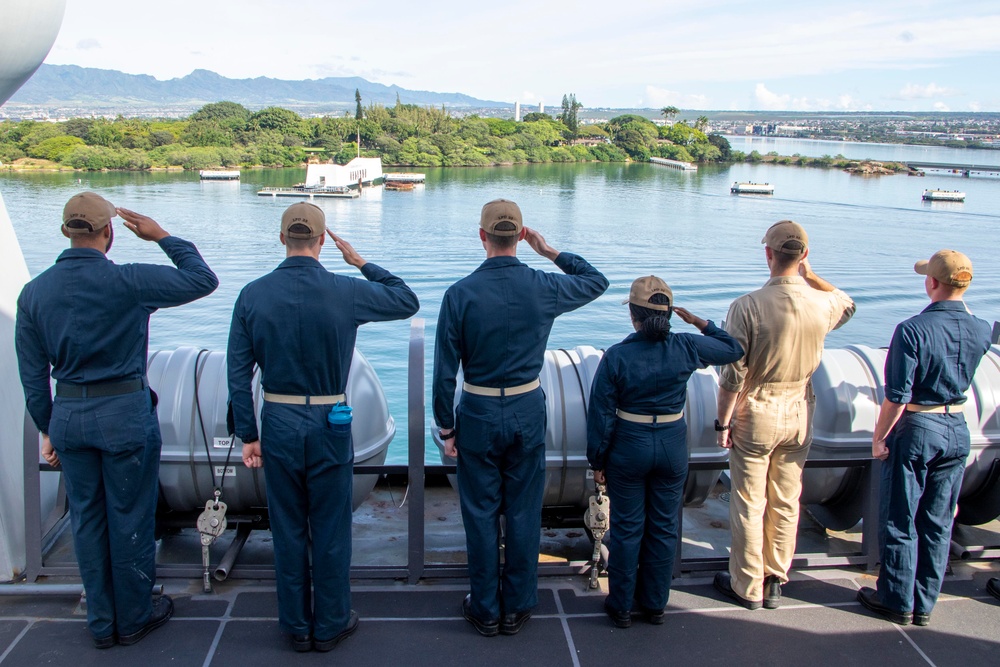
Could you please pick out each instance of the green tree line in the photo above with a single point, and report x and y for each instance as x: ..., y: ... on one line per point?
x: 226, y: 134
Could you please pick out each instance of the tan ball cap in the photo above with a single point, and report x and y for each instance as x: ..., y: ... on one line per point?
x: 303, y: 213
x: 643, y: 290
x: 948, y: 266
x: 501, y: 210
x: 90, y: 208
x: 787, y: 237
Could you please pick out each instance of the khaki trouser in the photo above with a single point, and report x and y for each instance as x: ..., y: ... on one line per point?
x: 770, y: 436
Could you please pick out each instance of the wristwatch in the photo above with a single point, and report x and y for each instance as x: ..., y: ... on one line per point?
x: 450, y: 433
x: 720, y: 427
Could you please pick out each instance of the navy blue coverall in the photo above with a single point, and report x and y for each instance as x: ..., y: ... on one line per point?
x: 299, y: 324
x: 87, y: 319
x: 931, y: 361
x: 496, y: 322
x: 646, y: 464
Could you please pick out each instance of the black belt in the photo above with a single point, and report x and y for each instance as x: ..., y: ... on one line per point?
x: 99, y: 389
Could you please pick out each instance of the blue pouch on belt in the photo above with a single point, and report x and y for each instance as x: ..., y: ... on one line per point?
x: 340, y: 417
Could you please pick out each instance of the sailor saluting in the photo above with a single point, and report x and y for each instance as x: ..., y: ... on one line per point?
x: 85, y: 322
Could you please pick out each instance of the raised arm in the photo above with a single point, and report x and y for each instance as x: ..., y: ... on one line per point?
x: 716, y: 347
x: 385, y: 298
x: 843, y: 308
x: 582, y: 282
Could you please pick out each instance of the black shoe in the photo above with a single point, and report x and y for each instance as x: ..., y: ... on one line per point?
x: 621, y: 619
x: 723, y: 583
x: 868, y: 597
x: 653, y: 616
x: 324, y: 645
x: 105, y: 642
x: 921, y: 619
x: 302, y: 643
x: 993, y: 587
x: 489, y: 628
x: 512, y: 623
x: 163, y: 609
x: 772, y: 592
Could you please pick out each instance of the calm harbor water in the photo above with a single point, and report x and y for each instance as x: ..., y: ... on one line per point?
x: 859, y: 151
x: 626, y: 219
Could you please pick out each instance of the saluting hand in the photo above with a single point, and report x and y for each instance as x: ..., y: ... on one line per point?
x: 538, y: 244
x: 351, y: 255
x: 142, y: 226
x: 804, y: 267
x: 49, y: 452
x: 252, y: 456
x: 686, y: 315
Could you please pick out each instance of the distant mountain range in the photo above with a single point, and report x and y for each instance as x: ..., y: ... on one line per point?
x: 69, y: 85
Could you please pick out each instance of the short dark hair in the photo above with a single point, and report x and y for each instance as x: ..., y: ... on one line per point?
x: 84, y: 225
x: 301, y: 244
x: 653, y: 324
x: 503, y: 242
x: 783, y: 260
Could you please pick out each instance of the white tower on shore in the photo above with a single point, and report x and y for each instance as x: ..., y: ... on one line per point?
x: 517, y: 111
x: 541, y: 107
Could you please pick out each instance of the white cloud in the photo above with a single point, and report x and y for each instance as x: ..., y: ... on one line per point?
x: 528, y: 97
x: 941, y: 106
x: 88, y: 43
x: 661, y: 97
x: 847, y: 102
x: 768, y: 100
x: 912, y: 91
x: 975, y: 106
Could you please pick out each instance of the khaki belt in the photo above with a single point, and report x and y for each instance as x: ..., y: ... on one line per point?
x: 913, y: 407
x: 648, y: 419
x: 303, y: 400
x: 498, y: 392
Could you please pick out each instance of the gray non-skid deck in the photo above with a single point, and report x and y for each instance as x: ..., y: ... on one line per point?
x: 819, y: 624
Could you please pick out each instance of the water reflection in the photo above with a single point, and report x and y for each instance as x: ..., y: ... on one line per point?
x: 627, y: 219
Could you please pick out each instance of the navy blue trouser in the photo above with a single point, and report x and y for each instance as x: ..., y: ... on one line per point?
x: 501, y: 470
x: 308, y: 468
x: 110, y: 453
x: 920, y: 484
x: 646, y: 470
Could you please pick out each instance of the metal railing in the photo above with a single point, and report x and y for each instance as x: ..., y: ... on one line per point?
x: 42, y: 533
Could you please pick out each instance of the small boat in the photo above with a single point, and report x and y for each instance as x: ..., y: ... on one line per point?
x: 943, y: 195
x: 399, y: 185
x: 219, y: 175
x: 752, y: 189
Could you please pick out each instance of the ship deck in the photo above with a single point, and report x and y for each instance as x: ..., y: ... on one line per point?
x: 819, y: 622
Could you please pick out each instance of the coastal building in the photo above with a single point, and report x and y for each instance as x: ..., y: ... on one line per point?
x: 517, y: 111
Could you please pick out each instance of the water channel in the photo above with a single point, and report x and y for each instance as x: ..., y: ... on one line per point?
x: 626, y: 219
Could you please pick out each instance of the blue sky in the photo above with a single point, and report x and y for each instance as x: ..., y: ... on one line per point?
x: 711, y: 54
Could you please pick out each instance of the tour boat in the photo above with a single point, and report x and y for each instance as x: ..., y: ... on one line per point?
x: 752, y: 189
x: 219, y: 175
x: 943, y: 195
